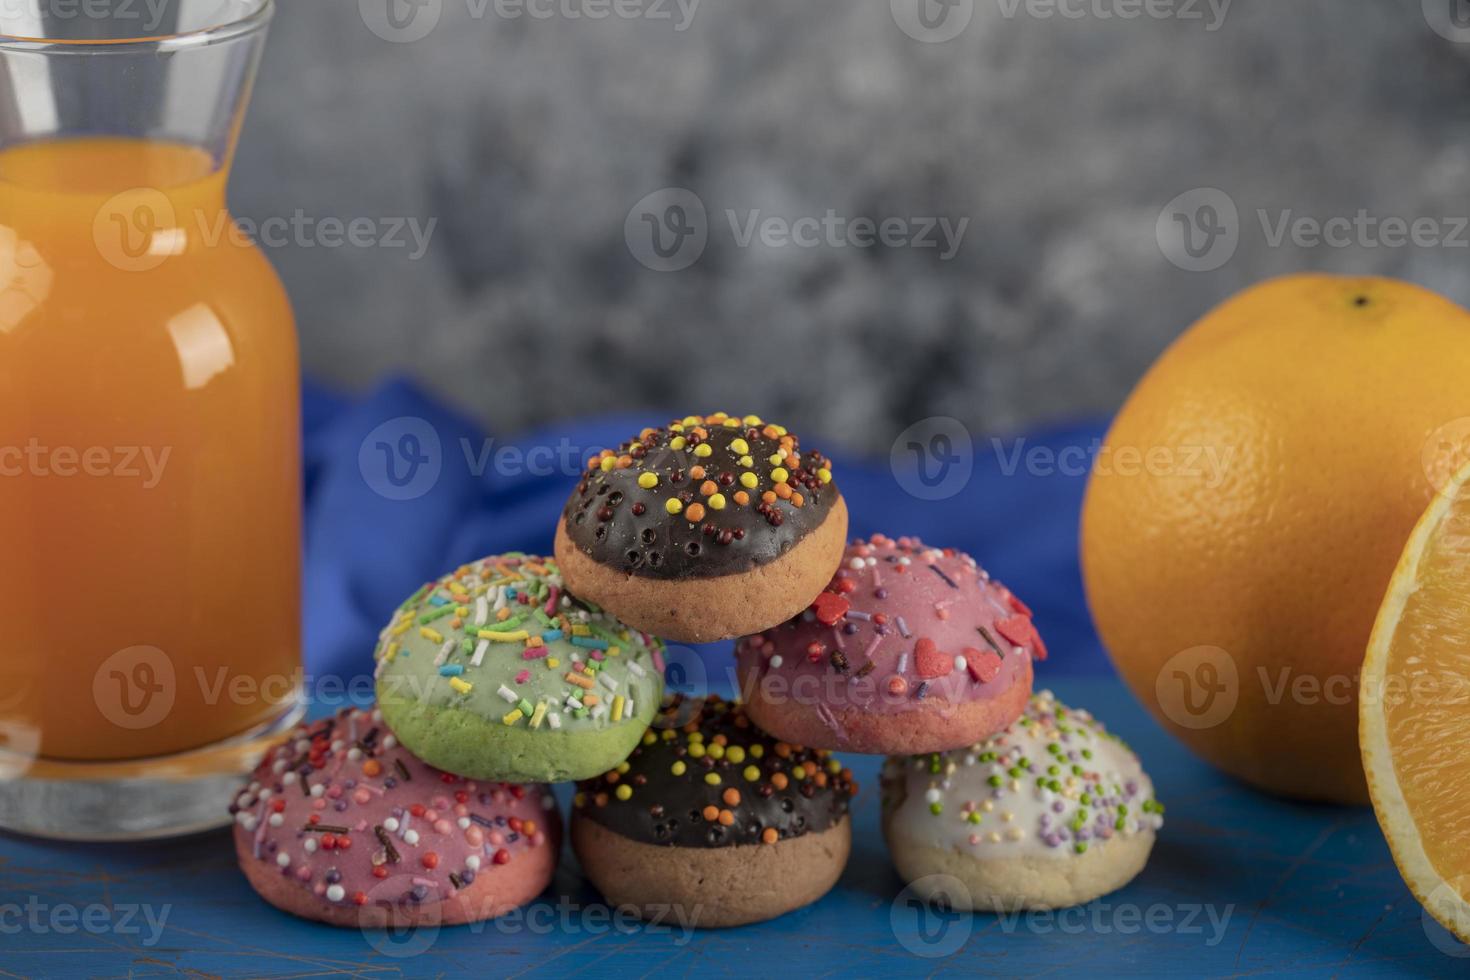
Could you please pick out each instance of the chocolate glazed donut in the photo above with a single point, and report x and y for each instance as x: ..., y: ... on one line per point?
x: 704, y: 529
x: 714, y: 821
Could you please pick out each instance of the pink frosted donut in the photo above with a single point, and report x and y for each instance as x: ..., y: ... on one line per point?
x: 342, y: 825
x: 910, y: 649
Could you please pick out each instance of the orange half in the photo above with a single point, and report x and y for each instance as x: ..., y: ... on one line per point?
x: 1414, y: 709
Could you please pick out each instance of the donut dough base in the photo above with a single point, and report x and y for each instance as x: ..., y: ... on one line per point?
x: 1020, y: 882
x: 712, y: 887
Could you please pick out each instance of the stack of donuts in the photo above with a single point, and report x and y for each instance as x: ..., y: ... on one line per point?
x: 517, y: 671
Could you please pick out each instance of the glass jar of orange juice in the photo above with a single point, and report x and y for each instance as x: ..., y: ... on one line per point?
x: 149, y: 425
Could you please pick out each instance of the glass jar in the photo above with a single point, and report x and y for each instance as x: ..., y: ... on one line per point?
x: 150, y: 490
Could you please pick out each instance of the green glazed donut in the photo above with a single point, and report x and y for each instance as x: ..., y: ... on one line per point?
x: 495, y: 672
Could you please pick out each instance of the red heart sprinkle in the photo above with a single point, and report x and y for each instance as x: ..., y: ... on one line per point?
x: 930, y: 661
x: 830, y: 608
x: 1017, y: 629
x: 983, y: 665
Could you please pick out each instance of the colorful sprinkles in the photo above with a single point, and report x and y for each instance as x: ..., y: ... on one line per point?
x: 703, y: 495
x: 1055, y: 782
x: 336, y: 808
x: 923, y: 620
x: 505, y: 630
x: 715, y: 780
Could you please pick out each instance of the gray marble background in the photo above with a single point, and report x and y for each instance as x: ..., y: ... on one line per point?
x: 1060, y: 130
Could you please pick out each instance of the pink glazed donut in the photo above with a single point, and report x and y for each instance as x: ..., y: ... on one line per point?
x: 910, y: 649
x: 342, y: 825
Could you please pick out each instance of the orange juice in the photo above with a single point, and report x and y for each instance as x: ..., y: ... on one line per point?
x: 149, y: 457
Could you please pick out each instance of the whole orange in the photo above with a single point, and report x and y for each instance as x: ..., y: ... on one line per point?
x: 1246, y: 510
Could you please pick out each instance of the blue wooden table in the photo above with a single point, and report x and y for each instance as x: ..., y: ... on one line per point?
x: 1239, y: 884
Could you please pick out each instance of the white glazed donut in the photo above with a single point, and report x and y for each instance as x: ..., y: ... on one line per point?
x: 1052, y: 812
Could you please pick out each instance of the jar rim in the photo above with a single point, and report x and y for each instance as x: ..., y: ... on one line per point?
x: 253, y: 17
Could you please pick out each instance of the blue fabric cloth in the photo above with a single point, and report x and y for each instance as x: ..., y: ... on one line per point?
x: 465, y: 494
